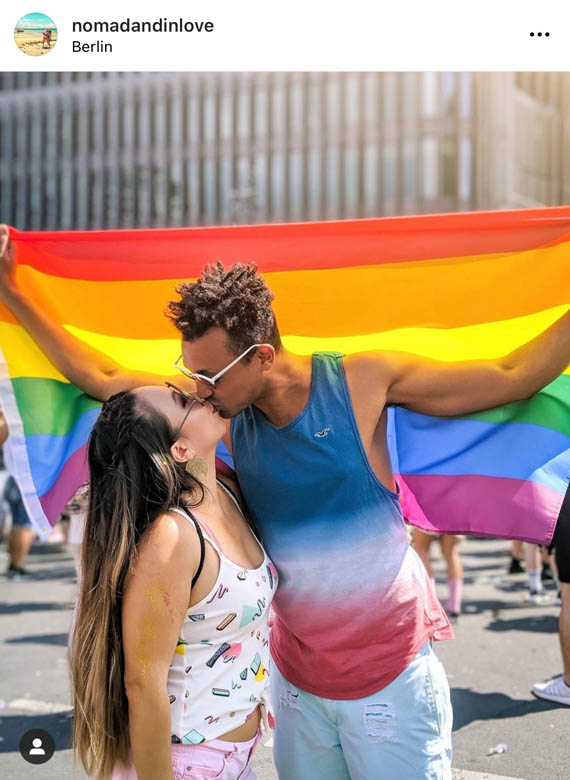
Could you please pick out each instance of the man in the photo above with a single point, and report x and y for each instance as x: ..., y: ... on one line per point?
x: 357, y: 689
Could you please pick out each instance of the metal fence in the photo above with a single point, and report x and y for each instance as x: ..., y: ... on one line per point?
x: 542, y: 122
x: 109, y: 150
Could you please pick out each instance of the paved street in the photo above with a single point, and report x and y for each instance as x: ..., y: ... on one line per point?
x: 503, y: 645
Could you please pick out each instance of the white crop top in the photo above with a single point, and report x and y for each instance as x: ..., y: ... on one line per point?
x: 219, y: 672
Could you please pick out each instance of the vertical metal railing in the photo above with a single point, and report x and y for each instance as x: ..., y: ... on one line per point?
x: 169, y: 149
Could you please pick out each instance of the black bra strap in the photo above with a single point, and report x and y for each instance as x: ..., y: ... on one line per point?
x: 202, y: 548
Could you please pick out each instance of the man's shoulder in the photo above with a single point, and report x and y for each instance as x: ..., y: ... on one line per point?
x: 368, y: 365
x: 368, y: 379
x: 355, y: 361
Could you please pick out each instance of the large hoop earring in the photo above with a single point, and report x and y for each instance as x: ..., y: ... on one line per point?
x: 197, y: 467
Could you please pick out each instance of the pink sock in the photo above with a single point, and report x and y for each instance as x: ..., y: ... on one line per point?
x: 455, y: 593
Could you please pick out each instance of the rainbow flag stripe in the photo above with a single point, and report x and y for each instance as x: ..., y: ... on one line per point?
x: 453, y: 287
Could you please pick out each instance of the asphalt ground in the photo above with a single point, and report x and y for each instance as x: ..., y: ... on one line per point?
x: 503, y: 645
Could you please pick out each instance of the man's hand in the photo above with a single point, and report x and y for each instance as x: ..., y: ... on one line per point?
x: 7, y: 263
x: 92, y: 371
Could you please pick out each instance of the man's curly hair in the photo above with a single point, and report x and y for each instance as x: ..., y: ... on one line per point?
x: 237, y: 300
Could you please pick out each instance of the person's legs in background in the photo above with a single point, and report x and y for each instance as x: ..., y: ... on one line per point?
x: 555, y: 577
x: 21, y: 534
x: 421, y: 543
x: 64, y: 523
x: 558, y: 688
x: 515, y: 566
x: 533, y: 563
x: 448, y: 542
x: 449, y: 549
x: 3, y: 517
x: 564, y: 628
x: 19, y: 543
x: 547, y: 564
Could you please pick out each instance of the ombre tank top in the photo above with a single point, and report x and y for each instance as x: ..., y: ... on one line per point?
x: 354, y: 603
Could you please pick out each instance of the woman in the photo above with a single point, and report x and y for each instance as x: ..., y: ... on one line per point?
x: 169, y: 652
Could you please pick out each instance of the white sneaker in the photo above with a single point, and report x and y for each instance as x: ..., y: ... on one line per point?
x: 553, y: 690
x: 537, y: 597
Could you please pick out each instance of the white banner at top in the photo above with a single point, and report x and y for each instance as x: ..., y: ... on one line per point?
x: 363, y: 35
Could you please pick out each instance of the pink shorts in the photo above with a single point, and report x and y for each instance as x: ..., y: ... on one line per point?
x: 215, y: 758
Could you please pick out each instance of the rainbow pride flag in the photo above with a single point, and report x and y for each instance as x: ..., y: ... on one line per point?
x: 452, y: 287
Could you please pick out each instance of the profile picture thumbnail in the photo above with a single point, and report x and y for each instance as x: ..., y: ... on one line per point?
x: 35, y: 34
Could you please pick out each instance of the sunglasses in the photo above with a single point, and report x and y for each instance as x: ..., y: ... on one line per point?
x: 189, y: 398
x: 210, y: 381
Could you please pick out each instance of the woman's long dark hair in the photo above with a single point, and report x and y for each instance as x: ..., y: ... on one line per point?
x: 133, y: 480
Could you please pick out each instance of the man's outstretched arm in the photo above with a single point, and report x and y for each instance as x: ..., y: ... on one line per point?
x: 95, y: 373
x: 446, y: 389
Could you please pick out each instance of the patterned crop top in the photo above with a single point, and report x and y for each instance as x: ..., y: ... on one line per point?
x: 219, y: 672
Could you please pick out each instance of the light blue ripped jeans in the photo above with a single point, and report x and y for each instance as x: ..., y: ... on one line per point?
x: 401, y: 733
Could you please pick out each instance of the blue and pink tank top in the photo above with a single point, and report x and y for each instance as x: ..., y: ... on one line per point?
x: 354, y: 603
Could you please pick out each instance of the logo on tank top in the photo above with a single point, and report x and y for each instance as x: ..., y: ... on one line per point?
x: 323, y: 433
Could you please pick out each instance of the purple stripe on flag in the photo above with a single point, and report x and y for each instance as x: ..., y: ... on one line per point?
x: 72, y: 475
x: 503, y: 508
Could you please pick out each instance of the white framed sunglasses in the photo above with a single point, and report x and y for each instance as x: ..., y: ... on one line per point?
x: 210, y: 381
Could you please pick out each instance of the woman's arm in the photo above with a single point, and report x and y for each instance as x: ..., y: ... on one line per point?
x: 154, y: 606
x: 95, y: 373
x: 149, y: 730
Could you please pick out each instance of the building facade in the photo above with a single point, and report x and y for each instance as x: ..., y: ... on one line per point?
x: 123, y: 150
